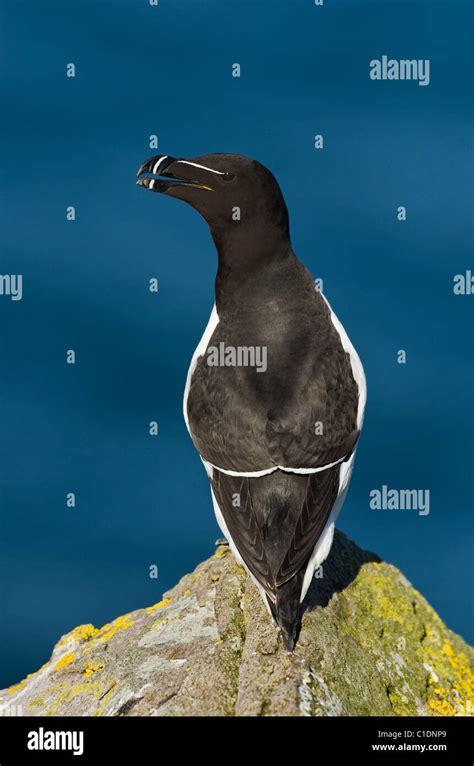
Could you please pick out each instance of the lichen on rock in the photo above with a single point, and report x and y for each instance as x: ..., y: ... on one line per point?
x: 369, y: 645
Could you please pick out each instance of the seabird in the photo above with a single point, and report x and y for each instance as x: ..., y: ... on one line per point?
x: 278, y: 443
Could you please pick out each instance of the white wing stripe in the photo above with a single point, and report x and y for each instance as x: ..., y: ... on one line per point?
x: 266, y: 471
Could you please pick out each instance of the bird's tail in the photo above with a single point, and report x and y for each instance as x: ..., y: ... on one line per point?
x: 286, y: 610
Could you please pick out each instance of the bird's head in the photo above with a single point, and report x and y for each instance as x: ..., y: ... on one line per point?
x: 230, y: 191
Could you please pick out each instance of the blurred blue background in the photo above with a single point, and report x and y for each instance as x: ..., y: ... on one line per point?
x: 166, y: 70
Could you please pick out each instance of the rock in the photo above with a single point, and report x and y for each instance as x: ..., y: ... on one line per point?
x: 369, y: 645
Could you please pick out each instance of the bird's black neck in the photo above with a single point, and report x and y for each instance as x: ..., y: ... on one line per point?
x: 249, y: 257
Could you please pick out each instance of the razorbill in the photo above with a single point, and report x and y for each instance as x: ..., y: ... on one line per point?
x: 278, y: 443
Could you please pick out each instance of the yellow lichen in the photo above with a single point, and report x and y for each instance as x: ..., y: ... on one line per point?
x: 22, y: 683
x: 448, y: 649
x: 65, y: 660
x: 454, y: 692
x: 91, y: 668
x: 157, y: 624
x: 441, y: 707
x: 379, y: 598
x: 400, y: 703
x: 91, y: 635
x: 111, y: 628
x: 186, y: 592
x: 17, y: 687
x: 64, y: 693
x: 222, y: 551
x: 379, y: 606
x: 84, y: 632
x: 159, y: 605
x: 80, y: 633
x: 35, y: 703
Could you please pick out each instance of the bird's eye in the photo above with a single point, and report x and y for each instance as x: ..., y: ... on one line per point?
x: 228, y: 177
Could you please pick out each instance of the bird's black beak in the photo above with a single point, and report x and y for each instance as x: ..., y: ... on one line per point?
x: 157, y: 174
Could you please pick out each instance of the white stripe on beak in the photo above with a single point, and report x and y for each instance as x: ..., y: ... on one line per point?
x: 203, y: 167
x: 158, y: 163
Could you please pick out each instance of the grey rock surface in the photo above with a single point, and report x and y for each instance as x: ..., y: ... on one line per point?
x: 369, y: 645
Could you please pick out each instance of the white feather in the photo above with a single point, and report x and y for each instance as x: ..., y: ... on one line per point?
x: 200, y: 350
x: 356, y: 364
x: 323, y: 546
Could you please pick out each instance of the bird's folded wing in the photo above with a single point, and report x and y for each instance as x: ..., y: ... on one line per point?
x: 232, y: 494
x: 310, y: 433
x: 311, y: 437
x: 321, y: 494
x: 242, y: 422
x: 275, y: 521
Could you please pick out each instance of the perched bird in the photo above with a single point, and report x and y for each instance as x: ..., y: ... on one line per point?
x: 275, y: 394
